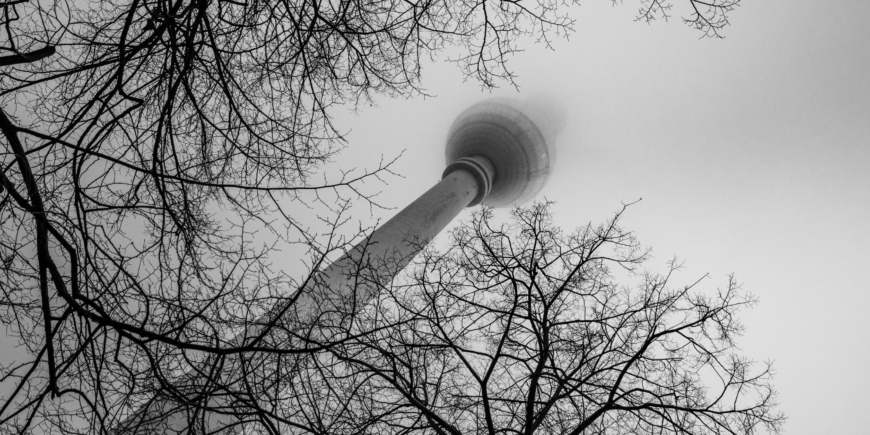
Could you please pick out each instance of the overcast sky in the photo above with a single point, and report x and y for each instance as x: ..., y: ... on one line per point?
x: 751, y: 154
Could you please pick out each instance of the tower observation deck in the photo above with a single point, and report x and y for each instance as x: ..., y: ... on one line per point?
x: 499, y: 152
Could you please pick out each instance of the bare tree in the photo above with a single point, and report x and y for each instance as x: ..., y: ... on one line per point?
x: 149, y: 148
x: 707, y: 17
x: 524, y: 328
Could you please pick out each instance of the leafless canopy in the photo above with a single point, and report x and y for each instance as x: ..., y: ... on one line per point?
x: 522, y: 328
x: 150, y: 147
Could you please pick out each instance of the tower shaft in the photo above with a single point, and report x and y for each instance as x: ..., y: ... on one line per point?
x: 375, y: 261
x: 497, y: 146
x: 424, y: 218
x: 352, y: 279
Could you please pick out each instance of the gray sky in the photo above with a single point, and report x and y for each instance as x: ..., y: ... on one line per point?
x: 751, y: 154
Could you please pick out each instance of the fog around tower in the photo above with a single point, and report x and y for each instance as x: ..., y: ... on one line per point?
x: 551, y: 107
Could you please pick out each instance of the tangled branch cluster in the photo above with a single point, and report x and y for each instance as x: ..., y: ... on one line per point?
x: 522, y: 328
x: 149, y: 147
x: 708, y: 17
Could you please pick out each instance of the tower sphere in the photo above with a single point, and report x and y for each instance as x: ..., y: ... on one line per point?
x: 516, y: 140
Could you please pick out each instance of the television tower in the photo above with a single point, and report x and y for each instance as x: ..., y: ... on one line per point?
x: 499, y: 152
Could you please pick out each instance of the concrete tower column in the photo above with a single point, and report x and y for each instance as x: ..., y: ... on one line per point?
x: 499, y: 152
x: 356, y: 277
